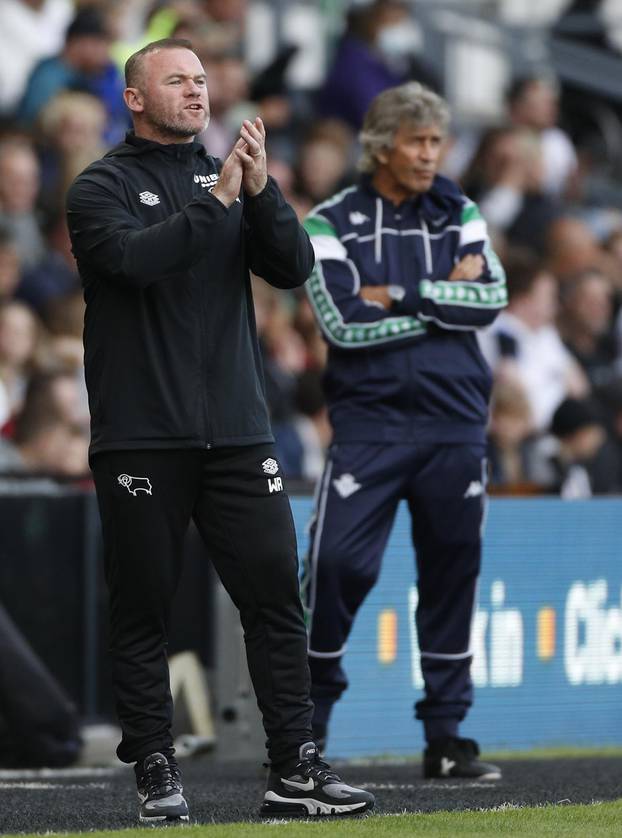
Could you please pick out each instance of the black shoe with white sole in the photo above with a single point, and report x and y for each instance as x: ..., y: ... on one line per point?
x: 308, y: 788
x: 455, y: 758
x: 160, y: 792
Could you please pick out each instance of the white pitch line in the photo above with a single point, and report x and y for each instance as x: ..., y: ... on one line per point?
x: 54, y: 773
x: 44, y: 786
x: 440, y: 786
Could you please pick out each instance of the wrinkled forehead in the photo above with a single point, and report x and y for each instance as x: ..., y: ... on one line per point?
x: 162, y: 63
x: 413, y: 127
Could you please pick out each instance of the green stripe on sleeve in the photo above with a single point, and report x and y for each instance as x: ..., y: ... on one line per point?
x: 353, y: 335
x: 470, y: 213
x: 470, y: 294
x: 317, y: 225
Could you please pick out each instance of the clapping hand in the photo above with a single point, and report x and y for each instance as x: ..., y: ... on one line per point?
x: 251, y: 152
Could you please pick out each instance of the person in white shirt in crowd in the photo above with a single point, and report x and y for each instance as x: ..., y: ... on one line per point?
x: 533, y: 103
x: 523, y: 343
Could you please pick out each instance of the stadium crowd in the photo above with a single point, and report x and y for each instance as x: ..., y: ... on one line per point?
x: 556, y: 418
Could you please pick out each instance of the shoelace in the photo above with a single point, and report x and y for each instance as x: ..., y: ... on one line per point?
x: 317, y: 769
x: 162, y: 780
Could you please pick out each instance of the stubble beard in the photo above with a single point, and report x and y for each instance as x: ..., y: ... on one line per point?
x: 175, y: 126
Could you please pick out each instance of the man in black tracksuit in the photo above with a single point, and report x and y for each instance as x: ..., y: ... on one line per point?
x: 165, y: 237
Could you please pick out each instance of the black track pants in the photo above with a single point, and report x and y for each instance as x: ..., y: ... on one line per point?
x: 235, y: 495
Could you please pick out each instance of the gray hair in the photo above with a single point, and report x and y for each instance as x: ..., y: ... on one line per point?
x: 410, y: 103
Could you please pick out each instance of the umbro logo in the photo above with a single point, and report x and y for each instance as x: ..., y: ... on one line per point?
x: 357, y: 218
x: 346, y: 485
x: 475, y: 489
x: 270, y: 466
x: 149, y: 198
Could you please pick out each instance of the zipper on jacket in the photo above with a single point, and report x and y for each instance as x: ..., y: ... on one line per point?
x: 378, y: 232
x: 204, y: 394
x: 427, y: 247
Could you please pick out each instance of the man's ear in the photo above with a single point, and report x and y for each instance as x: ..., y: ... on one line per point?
x: 133, y: 98
x: 382, y: 156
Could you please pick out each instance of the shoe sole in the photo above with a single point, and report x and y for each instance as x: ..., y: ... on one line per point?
x: 274, y: 806
x: 490, y: 777
x: 164, y: 820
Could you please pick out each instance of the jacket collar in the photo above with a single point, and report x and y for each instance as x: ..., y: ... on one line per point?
x: 134, y: 145
x: 442, y: 197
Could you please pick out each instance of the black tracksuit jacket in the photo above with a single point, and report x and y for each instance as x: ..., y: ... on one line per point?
x: 171, y: 353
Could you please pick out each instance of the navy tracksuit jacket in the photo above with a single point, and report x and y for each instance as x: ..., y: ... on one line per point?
x: 407, y: 393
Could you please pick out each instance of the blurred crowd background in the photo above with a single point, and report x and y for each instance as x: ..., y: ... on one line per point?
x: 536, y: 140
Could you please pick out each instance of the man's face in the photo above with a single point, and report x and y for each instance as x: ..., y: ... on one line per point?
x: 409, y: 166
x: 171, y: 96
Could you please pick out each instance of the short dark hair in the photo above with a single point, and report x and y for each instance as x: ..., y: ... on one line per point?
x: 134, y: 62
x: 522, y: 268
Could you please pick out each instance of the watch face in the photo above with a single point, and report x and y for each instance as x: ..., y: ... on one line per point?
x: 396, y: 292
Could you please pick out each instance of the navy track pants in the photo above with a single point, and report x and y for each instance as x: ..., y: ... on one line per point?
x: 357, y: 499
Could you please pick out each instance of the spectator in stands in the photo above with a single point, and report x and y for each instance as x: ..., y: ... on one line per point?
x: 20, y: 345
x: 19, y: 188
x: 533, y: 103
x: 505, y: 177
x: 283, y: 355
x: 54, y: 393
x: 44, y: 444
x: 325, y: 160
x: 84, y: 64
x: 612, y: 247
x: 30, y: 30
x: 283, y: 172
x: 586, y: 324
x: 610, y: 401
x: 64, y: 319
x: 9, y: 264
x: 312, y: 425
x: 228, y: 85
x: 510, y: 439
x: 570, y: 248
x: 71, y: 136
x: 584, y: 462
x: 55, y: 275
x: 523, y: 343
x: 48, y: 437
x: 377, y: 50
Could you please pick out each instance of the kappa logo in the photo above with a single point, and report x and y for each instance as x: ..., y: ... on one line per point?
x: 346, y: 485
x: 474, y: 490
x: 357, y: 218
x: 206, y: 180
x: 149, y: 198
x: 135, y: 484
x: 270, y: 466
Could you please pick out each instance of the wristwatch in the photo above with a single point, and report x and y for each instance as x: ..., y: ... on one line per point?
x: 396, y: 293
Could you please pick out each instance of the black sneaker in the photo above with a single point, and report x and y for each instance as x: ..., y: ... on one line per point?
x: 309, y: 788
x: 160, y: 791
x: 457, y: 758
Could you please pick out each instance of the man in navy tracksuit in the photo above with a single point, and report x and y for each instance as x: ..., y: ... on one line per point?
x: 404, y: 277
